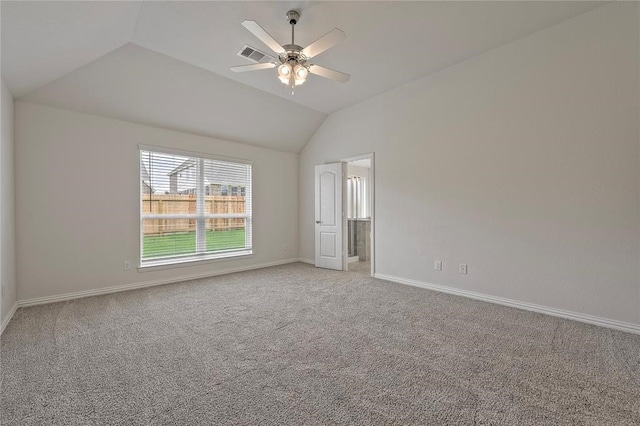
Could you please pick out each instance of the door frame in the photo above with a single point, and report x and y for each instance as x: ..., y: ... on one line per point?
x: 372, y: 192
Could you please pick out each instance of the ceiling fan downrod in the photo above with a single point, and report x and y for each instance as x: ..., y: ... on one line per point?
x: 293, y: 16
x: 292, y: 51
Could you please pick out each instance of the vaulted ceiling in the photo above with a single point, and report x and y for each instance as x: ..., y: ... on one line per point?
x: 167, y: 63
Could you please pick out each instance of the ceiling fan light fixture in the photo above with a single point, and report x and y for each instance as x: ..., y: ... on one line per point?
x: 284, y: 70
x: 300, y: 73
x: 284, y: 73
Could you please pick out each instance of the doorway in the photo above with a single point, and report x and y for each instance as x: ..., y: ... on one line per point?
x: 345, y: 215
x: 359, y: 215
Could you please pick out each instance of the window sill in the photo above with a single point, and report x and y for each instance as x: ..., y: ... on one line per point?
x: 156, y: 265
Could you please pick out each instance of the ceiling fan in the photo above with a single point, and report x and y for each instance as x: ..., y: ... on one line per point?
x: 293, y: 60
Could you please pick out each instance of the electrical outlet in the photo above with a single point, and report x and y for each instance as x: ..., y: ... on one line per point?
x: 462, y: 268
x: 437, y: 265
x: 126, y: 265
x: 284, y: 247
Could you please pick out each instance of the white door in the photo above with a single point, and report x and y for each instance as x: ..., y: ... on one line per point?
x: 329, y: 216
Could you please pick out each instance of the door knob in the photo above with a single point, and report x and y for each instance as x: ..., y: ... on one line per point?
x: 318, y: 221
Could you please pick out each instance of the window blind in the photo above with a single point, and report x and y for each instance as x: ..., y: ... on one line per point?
x: 193, y: 208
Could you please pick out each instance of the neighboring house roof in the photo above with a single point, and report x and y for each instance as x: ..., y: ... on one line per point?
x: 217, y: 172
x: 186, y: 165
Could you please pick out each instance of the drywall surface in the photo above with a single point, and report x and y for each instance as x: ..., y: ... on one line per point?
x: 77, y: 201
x: 135, y: 84
x: 521, y: 162
x: 7, y: 217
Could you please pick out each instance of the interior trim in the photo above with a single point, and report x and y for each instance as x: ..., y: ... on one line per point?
x: 8, y: 318
x: 589, y: 319
x: 134, y: 286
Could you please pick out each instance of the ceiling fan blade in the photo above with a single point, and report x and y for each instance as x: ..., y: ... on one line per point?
x: 325, y: 42
x: 253, y: 67
x: 329, y: 73
x: 263, y: 36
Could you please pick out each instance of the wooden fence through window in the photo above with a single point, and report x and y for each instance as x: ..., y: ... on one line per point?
x: 186, y: 204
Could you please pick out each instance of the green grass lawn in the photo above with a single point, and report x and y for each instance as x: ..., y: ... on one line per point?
x: 185, y: 242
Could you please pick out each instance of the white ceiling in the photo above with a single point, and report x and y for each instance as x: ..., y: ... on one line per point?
x: 388, y: 44
x: 139, y: 85
x: 42, y: 41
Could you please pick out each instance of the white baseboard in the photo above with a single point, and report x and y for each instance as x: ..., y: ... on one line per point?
x: 5, y: 322
x: 134, y: 286
x: 604, y: 322
x: 589, y: 319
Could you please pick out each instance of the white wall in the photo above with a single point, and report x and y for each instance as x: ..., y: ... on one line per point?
x: 7, y: 218
x: 77, y: 201
x: 521, y: 162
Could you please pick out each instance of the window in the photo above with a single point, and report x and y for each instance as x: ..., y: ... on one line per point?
x: 184, y: 216
x: 357, y: 197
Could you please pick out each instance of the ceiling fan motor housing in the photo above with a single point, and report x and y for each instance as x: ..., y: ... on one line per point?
x: 293, y: 56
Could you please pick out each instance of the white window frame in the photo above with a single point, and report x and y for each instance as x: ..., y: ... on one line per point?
x: 200, y: 216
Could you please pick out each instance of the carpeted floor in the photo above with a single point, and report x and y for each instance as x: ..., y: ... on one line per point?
x: 295, y: 345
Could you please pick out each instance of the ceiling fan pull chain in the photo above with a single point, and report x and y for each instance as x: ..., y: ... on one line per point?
x: 292, y: 82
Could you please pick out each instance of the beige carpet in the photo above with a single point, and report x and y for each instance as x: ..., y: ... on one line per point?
x: 295, y: 345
